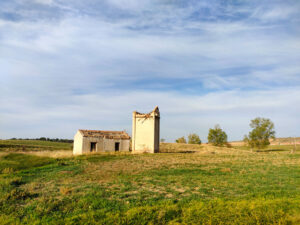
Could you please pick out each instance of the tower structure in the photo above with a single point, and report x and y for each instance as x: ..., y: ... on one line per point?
x: 145, y: 131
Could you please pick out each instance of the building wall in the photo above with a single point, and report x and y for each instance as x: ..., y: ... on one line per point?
x: 83, y: 144
x: 78, y: 142
x: 86, y: 147
x: 109, y: 145
x: 145, y: 133
x: 125, y: 145
x: 156, y: 134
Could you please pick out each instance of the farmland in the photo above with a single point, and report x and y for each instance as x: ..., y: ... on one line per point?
x: 42, y: 183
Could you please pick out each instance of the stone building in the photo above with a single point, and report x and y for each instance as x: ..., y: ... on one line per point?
x: 145, y: 131
x: 87, y: 141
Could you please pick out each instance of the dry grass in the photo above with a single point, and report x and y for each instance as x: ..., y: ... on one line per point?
x: 193, y: 148
x: 179, y: 147
x: 164, y: 148
x: 52, y: 154
x: 3, y: 154
x: 277, y: 141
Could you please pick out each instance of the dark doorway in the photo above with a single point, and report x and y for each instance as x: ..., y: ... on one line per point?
x: 93, y: 146
x: 117, y: 146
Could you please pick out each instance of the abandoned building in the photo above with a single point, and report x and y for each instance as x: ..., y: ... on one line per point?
x: 145, y: 131
x: 145, y: 136
x: 88, y: 141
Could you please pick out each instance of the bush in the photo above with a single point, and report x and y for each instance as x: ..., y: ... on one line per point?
x: 217, y: 136
x: 181, y: 140
x: 194, y: 139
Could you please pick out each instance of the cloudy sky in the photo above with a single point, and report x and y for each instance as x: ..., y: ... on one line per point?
x: 73, y: 64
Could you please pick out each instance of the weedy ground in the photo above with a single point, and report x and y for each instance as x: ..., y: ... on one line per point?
x: 196, y: 185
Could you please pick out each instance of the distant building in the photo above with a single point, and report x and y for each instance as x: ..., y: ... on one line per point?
x: 87, y: 141
x: 145, y: 131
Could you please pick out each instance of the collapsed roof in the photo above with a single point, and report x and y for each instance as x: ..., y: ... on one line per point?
x: 154, y: 112
x: 105, y: 134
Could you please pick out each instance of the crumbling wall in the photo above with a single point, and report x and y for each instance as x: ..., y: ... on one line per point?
x: 82, y: 144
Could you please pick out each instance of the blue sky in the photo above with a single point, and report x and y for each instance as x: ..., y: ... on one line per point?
x: 68, y: 65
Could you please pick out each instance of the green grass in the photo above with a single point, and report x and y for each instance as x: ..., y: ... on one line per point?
x: 15, y: 162
x: 33, y: 145
x: 227, y: 187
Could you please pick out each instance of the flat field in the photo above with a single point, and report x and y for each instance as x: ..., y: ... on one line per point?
x: 194, y: 185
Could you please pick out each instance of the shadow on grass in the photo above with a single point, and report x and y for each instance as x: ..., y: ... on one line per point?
x: 272, y: 150
x: 179, y: 152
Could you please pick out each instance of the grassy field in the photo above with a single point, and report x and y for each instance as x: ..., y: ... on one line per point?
x: 33, y: 145
x: 195, y: 185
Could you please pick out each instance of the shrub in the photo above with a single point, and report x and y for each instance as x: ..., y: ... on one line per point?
x: 181, y: 140
x: 217, y: 136
x: 194, y: 139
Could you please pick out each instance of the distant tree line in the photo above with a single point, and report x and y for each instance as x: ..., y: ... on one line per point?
x: 262, y: 132
x: 192, y: 139
x: 46, y: 139
x: 216, y: 136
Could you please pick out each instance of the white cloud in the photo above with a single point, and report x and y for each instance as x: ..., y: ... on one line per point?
x: 46, y: 2
x: 131, y: 4
x: 279, y: 12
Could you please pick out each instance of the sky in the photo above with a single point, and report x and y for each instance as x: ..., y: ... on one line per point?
x: 69, y: 65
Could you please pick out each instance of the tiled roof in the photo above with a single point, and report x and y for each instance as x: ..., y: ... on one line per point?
x: 105, y: 134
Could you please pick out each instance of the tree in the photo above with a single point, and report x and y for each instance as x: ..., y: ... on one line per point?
x: 181, y: 140
x: 162, y: 140
x: 194, y: 139
x: 263, y: 130
x: 217, y: 136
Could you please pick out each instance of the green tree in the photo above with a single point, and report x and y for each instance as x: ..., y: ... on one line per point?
x: 181, y: 140
x: 194, y: 139
x: 217, y: 136
x: 262, y: 131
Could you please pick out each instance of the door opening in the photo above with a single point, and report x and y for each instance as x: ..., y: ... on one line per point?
x: 117, y: 146
x: 93, y: 146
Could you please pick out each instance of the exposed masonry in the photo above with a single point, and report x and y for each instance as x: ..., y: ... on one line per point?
x: 89, y: 141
